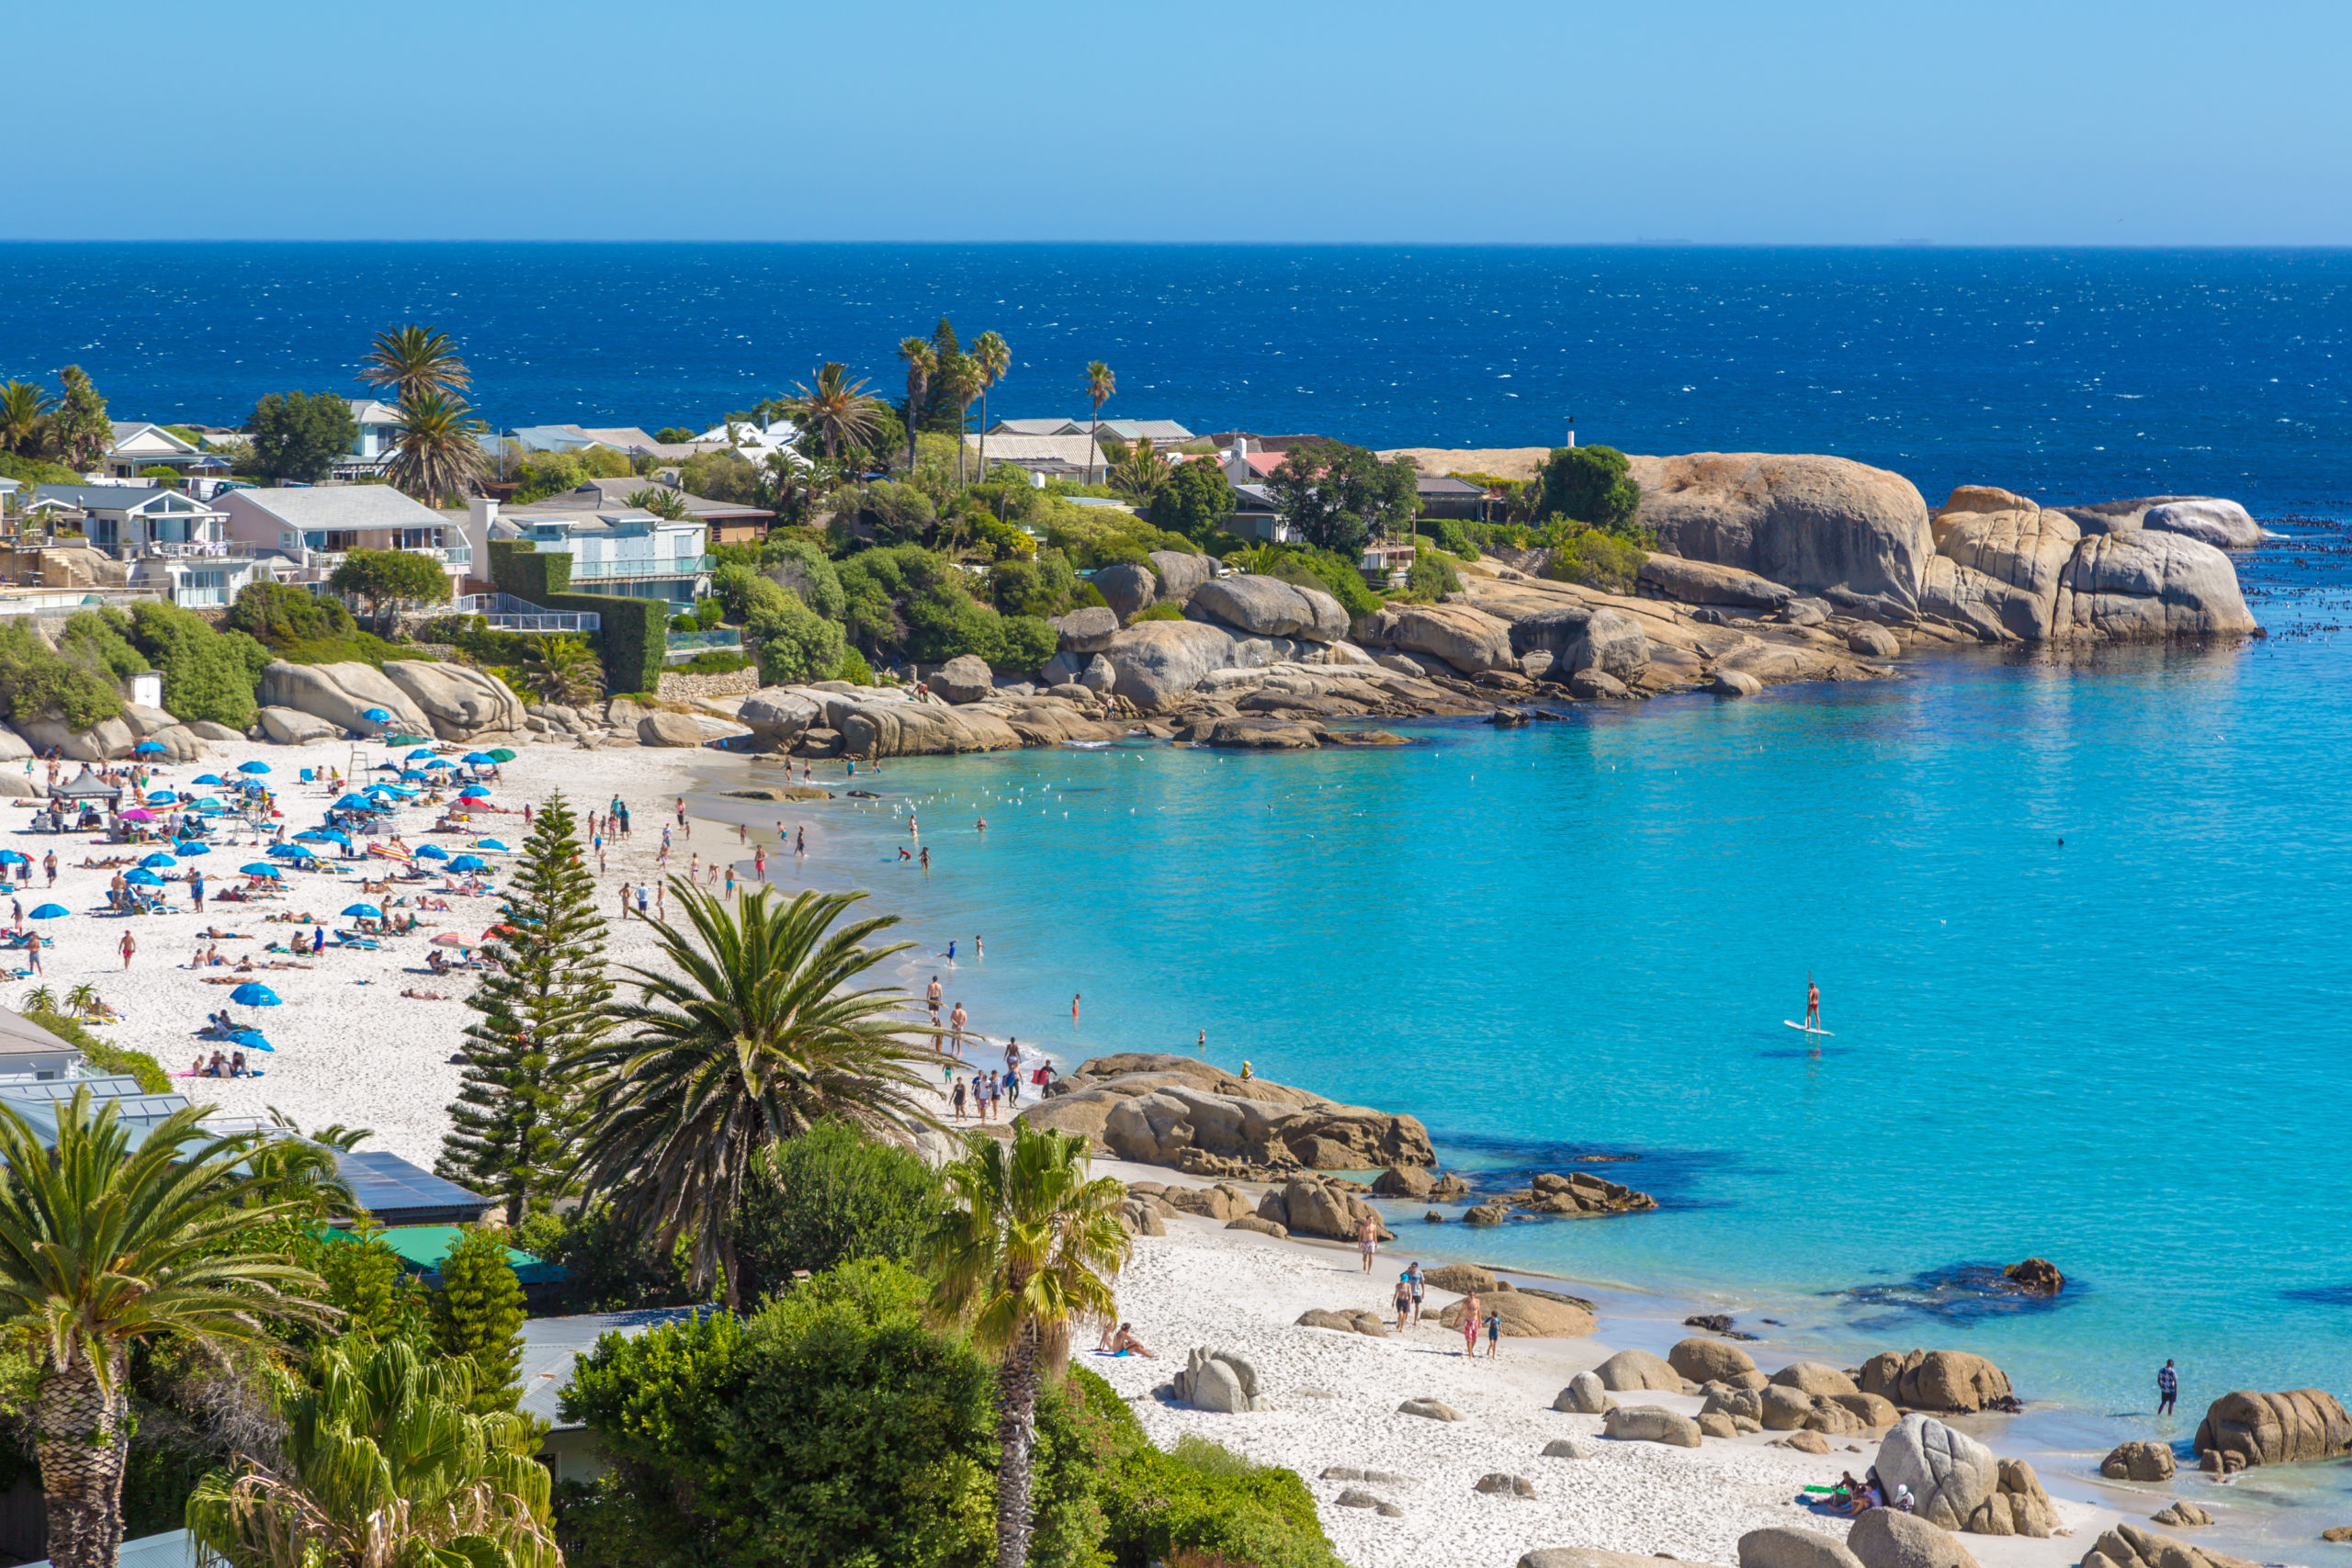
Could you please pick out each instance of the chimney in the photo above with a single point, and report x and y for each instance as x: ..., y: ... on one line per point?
x: 481, y: 511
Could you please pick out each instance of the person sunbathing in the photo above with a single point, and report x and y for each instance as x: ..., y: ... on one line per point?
x: 1119, y: 1341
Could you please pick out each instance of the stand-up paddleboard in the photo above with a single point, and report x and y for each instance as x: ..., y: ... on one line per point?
x: 1813, y: 1028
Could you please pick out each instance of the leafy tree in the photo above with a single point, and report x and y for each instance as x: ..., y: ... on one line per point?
x: 406, y: 361
x: 1196, y: 502
x: 1026, y: 1255
x: 758, y: 1030
x: 392, y: 577
x: 1337, y: 496
x: 207, y: 673
x: 276, y: 616
x: 477, y: 1318
x: 893, y: 514
x: 298, y: 435
x: 721, y: 475
x: 1100, y: 384
x: 543, y: 474
x: 794, y: 642
x: 1432, y: 576
x: 36, y: 681
x: 673, y: 435
x: 104, y: 1247
x: 837, y: 409
x: 437, y: 455
x: 959, y: 379
x: 368, y: 1283
x: 23, y: 406
x: 562, y: 670
x: 540, y: 1007
x: 385, y: 1464
x: 79, y: 433
x: 1591, y: 485
x: 829, y: 1197
x: 801, y: 567
x: 1591, y: 556
x: 97, y: 637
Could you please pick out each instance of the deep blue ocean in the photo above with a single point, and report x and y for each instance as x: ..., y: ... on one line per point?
x: 2070, y: 375
x: 2127, y: 1052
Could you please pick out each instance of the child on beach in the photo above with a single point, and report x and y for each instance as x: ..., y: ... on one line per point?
x: 1494, y: 1334
x: 1470, y: 1325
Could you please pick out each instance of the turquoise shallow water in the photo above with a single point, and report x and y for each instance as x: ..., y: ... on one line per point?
x: 2127, y: 1053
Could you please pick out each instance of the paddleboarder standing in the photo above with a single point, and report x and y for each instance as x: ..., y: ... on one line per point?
x: 1812, y: 1002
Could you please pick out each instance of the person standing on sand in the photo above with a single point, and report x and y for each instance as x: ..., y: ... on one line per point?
x: 1413, y: 1278
x: 2168, y: 1388
x: 1470, y: 1325
x: 1494, y: 1334
x: 1368, y: 1240
x: 955, y: 1021
x: 1404, y: 1303
x: 49, y: 865
x: 760, y: 862
x: 624, y: 900
x: 129, y: 947
x: 931, y: 993
x: 959, y: 1100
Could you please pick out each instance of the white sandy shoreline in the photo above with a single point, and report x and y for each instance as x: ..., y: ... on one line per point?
x: 352, y: 1050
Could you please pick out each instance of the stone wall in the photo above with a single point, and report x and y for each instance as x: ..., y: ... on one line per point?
x: 679, y: 686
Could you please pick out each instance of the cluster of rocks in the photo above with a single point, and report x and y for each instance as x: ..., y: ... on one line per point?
x: 1578, y: 1193
x: 1989, y: 565
x: 1345, y: 1320
x: 1306, y: 1206
x: 2129, y: 1546
x: 2245, y: 1429
x: 1953, y: 1381
x: 1882, y: 1538
x: 1219, y: 1380
x: 1357, y: 1497
x: 1160, y: 1108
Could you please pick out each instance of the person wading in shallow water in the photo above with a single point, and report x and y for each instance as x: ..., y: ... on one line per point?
x: 2168, y: 1388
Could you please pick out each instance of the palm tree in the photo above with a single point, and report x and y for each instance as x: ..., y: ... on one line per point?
x: 960, y: 377
x: 83, y: 998
x: 40, y: 998
x: 562, y: 670
x: 22, y: 404
x: 385, y: 1465
x: 921, y: 363
x: 838, y: 407
x: 410, y: 360
x: 1021, y: 1256
x: 1099, y: 385
x: 759, y: 1031
x: 1140, y: 471
x: 103, y: 1246
x: 994, y: 358
x: 439, y: 453
x: 663, y: 503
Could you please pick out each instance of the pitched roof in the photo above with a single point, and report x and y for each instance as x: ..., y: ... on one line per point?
x: 1446, y: 484
x: 628, y: 438
x: 1069, y: 451
x: 337, y: 506
x: 552, y: 1347
x: 1031, y: 427
x: 131, y: 429
x: 374, y: 411
x: 112, y: 497
x: 612, y: 495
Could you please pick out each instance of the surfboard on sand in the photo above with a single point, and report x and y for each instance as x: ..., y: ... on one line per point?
x: 1792, y: 1023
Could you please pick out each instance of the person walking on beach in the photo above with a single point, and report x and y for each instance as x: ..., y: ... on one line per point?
x: 1404, y: 1303
x: 931, y: 993
x: 955, y: 1021
x: 959, y: 1100
x: 1413, y: 1278
x: 1368, y: 1240
x: 49, y: 865
x: 129, y: 947
x: 1494, y: 1334
x: 624, y: 900
x: 1470, y: 1315
x: 760, y: 862
x: 2168, y: 1388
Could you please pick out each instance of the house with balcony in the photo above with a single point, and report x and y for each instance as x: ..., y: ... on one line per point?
x: 379, y: 439
x: 138, y: 446
x: 616, y: 549
x: 314, y: 529
x: 171, y: 545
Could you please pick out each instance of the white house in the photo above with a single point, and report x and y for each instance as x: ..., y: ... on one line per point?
x: 378, y: 440
x: 129, y: 520
x: 614, y: 549
x: 314, y: 529
x: 137, y: 447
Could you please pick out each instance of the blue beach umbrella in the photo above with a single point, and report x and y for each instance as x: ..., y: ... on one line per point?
x: 363, y: 911
x: 332, y: 836
x: 354, y: 803
x: 473, y: 792
x: 150, y: 749
x: 260, y: 868
x: 190, y: 847
x: 162, y: 798
x: 413, y: 774
x: 51, y: 912
x: 158, y: 862
x: 254, y: 994
x: 313, y: 836
x: 440, y: 763
x: 143, y: 878
x: 397, y: 792
x: 469, y: 862
x: 420, y: 754
x: 11, y: 857
x: 253, y: 767
x: 210, y: 779
x: 492, y: 844
x: 292, y: 852
x: 376, y: 715
x: 432, y: 852
x: 252, y: 1040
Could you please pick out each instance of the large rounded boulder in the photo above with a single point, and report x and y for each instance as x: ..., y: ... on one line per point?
x: 2224, y: 524
x: 2292, y: 1427
x: 2143, y: 586
x: 1467, y: 641
x: 343, y: 695
x: 1710, y: 1361
x: 1155, y: 663
x: 965, y: 677
x: 1949, y: 1474
x: 1820, y: 525
x: 1949, y: 1380
x: 1126, y: 588
x: 1267, y: 606
x: 1179, y: 573
x: 1634, y: 1370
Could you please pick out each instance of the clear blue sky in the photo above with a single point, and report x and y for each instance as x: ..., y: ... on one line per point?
x: 2151, y: 122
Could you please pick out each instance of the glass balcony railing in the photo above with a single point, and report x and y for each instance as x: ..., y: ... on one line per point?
x: 642, y: 566
x: 727, y: 637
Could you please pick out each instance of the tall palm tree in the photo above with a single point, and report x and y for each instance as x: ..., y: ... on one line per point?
x: 22, y: 404
x: 1023, y: 1255
x: 438, y: 451
x: 1140, y: 472
x: 836, y: 406
x: 1099, y: 385
x: 104, y: 1246
x: 757, y: 1032
x: 385, y: 1467
x: 921, y: 362
x: 960, y: 377
x: 994, y: 358
x: 409, y: 360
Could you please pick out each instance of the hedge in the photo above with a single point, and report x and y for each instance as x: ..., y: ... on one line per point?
x: 635, y: 641
x: 105, y: 1055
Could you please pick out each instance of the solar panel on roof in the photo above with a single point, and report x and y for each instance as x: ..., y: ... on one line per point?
x: 386, y: 1184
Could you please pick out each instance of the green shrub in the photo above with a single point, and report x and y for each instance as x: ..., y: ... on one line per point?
x: 1159, y: 610
x: 207, y: 674
x: 1204, y: 1498
x: 607, y: 1265
x: 100, y: 638
x: 276, y: 616
x: 717, y: 661
x: 854, y: 668
x: 794, y: 642
x: 633, y: 643
x: 1430, y: 578
x: 478, y: 1315
x: 35, y: 679
x: 707, y: 615
x: 827, y: 1197
x: 104, y: 1055
x: 1334, y: 574
x: 1592, y: 558
x: 1590, y: 485
x: 1450, y: 535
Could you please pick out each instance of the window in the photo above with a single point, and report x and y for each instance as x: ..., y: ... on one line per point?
x: 202, y: 589
x: 331, y: 539
x: 420, y: 538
